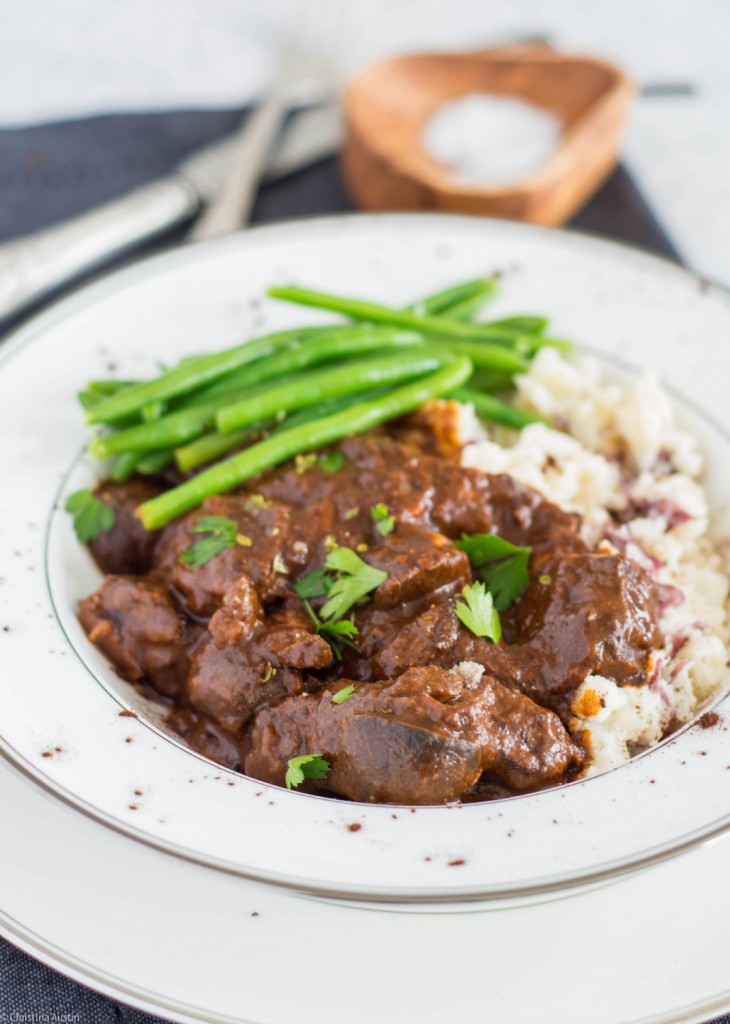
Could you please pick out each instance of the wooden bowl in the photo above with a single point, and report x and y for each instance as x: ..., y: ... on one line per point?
x: 387, y: 105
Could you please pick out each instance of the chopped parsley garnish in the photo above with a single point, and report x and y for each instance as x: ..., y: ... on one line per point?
x: 384, y: 522
x: 479, y: 614
x: 332, y: 462
x: 304, y: 462
x: 318, y: 584
x: 257, y: 502
x: 314, y: 584
x: 341, y: 630
x: 356, y: 579
x: 221, y: 533
x: 502, y: 566
x: 91, y: 517
x: 306, y: 766
x: 344, y: 694
x: 349, y: 580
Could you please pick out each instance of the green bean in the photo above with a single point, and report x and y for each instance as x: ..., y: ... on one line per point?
x: 468, y: 308
x: 371, y: 311
x: 88, y: 399
x: 226, y: 475
x: 345, y: 342
x: 528, y: 344
x: 108, y: 387
x: 523, y: 324
x: 210, y: 447
x: 147, y: 463
x: 328, y: 406
x: 188, y: 423
x: 489, y: 408
x: 444, y: 303
x: 317, y: 385
x: 199, y: 371
x: 489, y: 357
x: 491, y: 380
x: 153, y: 462
x: 153, y: 411
x: 172, y: 430
x: 124, y: 466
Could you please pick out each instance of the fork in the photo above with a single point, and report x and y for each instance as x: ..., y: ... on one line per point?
x: 304, y: 75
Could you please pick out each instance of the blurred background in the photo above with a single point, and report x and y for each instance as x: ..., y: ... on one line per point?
x: 99, y: 97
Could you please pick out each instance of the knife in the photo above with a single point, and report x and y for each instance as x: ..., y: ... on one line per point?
x: 35, y: 265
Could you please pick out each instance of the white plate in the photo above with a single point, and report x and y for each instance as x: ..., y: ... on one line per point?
x: 181, y: 940
x: 64, y: 728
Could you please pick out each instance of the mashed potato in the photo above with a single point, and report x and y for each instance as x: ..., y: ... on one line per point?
x: 619, y: 459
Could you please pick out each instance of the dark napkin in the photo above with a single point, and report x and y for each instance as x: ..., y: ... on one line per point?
x: 51, y: 172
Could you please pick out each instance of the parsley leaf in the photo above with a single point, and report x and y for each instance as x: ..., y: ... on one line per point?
x: 344, y: 694
x: 221, y: 534
x: 91, y: 517
x: 306, y: 766
x: 332, y: 462
x: 314, y: 584
x: 339, y: 632
x: 318, y: 584
x: 384, y: 523
x: 479, y: 614
x: 356, y: 579
x: 502, y: 566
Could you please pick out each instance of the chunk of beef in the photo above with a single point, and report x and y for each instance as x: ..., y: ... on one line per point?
x: 424, y: 738
x: 435, y: 636
x: 228, y: 681
x: 524, y: 517
x: 202, y: 587
x: 134, y: 622
x: 418, y: 561
x: 205, y: 736
x: 598, y: 614
x: 127, y: 548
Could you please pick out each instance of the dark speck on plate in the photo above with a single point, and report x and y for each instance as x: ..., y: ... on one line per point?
x: 457, y: 863
x: 354, y: 827
x: 127, y: 714
x: 709, y: 719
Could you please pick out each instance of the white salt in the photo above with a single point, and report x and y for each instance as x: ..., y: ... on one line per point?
x: 490, y: 141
